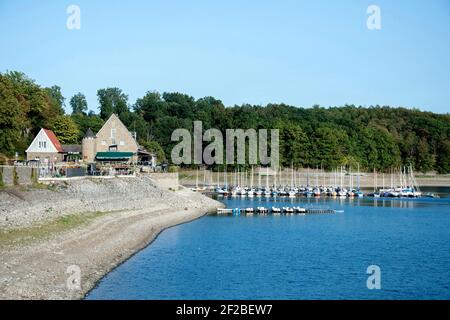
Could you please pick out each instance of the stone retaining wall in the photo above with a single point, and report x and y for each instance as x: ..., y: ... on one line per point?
x: 7, y: 176
x: 27, y: 175
x: 17, y: 175
x: 165, y: 181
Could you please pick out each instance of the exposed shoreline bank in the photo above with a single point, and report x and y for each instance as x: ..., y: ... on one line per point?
x: 38, y: 269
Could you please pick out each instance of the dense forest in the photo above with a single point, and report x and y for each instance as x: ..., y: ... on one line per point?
x: 378, y: 137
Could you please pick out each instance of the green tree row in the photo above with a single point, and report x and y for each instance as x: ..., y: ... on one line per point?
x: 377, y: 137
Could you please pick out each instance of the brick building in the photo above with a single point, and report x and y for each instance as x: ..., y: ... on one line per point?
x: 112, y: 142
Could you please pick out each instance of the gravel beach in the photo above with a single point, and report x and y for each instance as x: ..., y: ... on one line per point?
x: 131, y: 213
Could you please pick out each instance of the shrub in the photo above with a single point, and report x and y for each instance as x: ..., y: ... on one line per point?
x: 3, y: 159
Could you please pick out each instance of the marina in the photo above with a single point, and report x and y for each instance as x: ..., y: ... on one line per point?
x: 292, y: 183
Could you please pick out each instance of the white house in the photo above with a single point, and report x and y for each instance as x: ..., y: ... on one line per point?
x: 45, y: 147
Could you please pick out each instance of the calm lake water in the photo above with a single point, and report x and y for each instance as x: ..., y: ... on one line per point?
x: 296, y: 257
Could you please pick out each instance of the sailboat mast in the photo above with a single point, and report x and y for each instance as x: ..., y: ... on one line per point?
x: 317, y: 176
x: 295, y: 177
x: 204, y: 177
x: 218, y: 178
x: 275, y: 178
x: 259, y: 177
x: 374, y: 180
x: 323, y: 176
x: 196, y: 180
x: 357, y: 177
x: 335, y: 177
x: 225, y: 177
x: 292, y: 174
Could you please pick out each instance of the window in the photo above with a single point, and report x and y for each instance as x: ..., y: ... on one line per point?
x: 122, y: 143
x: 113, y: 136
x: 42, y: 144
x: 103, y: 142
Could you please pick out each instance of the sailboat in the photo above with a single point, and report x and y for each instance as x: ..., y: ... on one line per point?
x: 258, y: 191
x: 341, y: 191
x: 267, y: 189
x: 308, y: 191
x: 242, y: 192
x: 251, y: 191
x: 220, y: 191
x: 274, y: 191
x: 291, y: 192
x: 358, y: 191
x: 375, y: 192
x: 235, y: 189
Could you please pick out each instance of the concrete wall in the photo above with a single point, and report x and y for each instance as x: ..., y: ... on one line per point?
x: 165, y: 181
x: 8, y: 176
x: 27, y: 176
x: 23, y: 175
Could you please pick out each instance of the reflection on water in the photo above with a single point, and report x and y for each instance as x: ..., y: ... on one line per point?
x: 296, y: 257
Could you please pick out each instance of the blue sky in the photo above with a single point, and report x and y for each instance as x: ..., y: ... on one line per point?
x: 297, y: 52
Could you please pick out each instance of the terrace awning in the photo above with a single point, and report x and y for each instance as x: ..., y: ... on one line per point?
x: 113, y: 155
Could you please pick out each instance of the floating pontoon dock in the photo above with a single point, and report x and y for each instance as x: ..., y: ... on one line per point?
x: 274, y: 210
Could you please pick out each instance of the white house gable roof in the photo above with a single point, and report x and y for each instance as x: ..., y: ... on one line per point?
x: 42, y: 143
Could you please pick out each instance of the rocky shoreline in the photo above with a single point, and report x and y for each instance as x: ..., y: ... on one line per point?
x: 134, y: 212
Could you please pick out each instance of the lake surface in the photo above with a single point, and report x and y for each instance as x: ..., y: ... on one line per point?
x: 296, y: 257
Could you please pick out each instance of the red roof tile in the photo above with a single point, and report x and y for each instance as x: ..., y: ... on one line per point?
x: 54, y: 140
